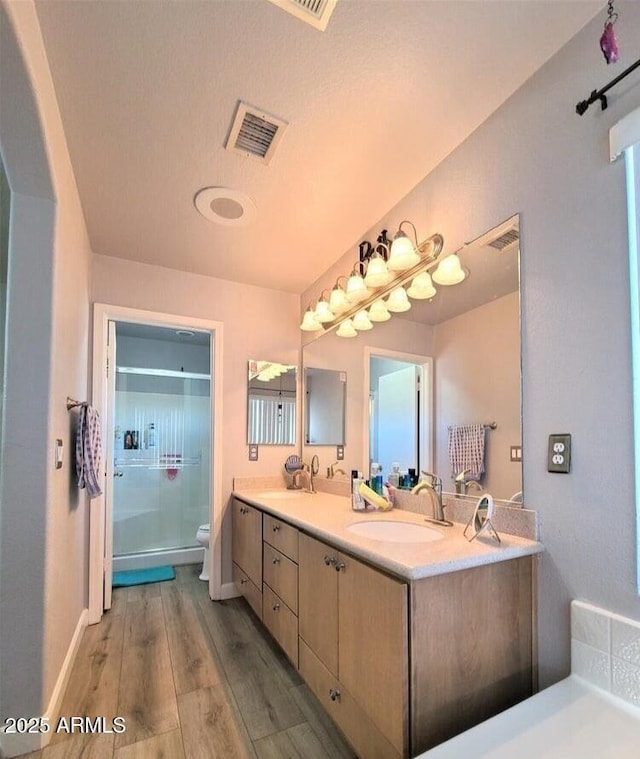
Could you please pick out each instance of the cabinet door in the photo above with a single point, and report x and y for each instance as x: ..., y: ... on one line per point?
x: 247, y: 540
x: 373, y: 653
x: 318, y: 600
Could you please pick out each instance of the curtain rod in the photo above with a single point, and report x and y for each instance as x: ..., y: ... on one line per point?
x: 583, y: 105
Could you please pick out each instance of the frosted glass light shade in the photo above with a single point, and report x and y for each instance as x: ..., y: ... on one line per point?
x: 378, y: 312
x: 323, y: 313
x: 309, y: 321
x: 421, y: 287
x: 398, y: 301
x: 377, y: 273
x: 403, y: 254
x: 361, y: 321
x: 356, y: 288
x: 346, y: 329
x: 338, y: 302
x: 449, y: 271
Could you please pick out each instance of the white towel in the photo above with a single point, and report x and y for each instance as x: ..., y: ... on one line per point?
x: 466, y: 450
x: 89, y: 451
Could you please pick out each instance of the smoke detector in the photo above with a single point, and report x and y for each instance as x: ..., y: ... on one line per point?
x: 255, y: 133
x: 313, y: 12
x: 225, y: 206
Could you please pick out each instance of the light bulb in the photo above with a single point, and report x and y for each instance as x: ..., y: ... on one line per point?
x: 403, y: 254
x: 338, y: 302
x: 309, y: 322
x: 346, y: 329
x: 398, y: 301
x: 356, y: 288
x: 449, y: 271
x: 323, y: 313
x: 361, y: 321
x: 377, y: 273
x: 378, y: 312
x: 421, y: 287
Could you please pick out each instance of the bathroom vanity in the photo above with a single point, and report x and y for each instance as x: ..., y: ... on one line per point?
x: 405, y: 641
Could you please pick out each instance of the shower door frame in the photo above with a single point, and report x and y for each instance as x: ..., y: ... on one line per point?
x: 98, y: 529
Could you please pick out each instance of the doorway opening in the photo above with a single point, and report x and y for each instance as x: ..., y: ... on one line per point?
x: 157, y: 387
x: 399, y: 416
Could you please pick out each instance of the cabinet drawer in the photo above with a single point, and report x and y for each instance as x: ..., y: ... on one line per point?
x: 281, y: 574
x: 281, y: 535
x: 247, y: 589
x: 342, y: 708
x: 281, y: 622
x: 246, y: 540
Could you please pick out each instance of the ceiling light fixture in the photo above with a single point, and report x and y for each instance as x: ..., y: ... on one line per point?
x: 357, y: 301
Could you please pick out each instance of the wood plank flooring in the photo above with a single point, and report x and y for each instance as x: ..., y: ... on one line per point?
x: 194, y: 679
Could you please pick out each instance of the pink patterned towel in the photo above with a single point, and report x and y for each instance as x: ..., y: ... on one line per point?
x: 466, y: 449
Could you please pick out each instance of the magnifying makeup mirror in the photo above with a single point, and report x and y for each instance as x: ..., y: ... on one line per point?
x: 481, y: 519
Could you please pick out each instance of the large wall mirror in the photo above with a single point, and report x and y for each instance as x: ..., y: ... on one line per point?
x: 271, y: 403
x: 324, y: 409
x: 471, y: 333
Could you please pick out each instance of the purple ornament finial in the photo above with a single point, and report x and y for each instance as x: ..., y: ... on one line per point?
x: 609, y: 43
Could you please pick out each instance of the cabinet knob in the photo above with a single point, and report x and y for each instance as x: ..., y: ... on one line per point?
x: 330, y: 561
x: 334, y: 694
x: 339, y: 565
x: 276, y: 527
x: 242, y: 581
x: 276, y: 607
x: 244, y: 510
x: 275, y: 560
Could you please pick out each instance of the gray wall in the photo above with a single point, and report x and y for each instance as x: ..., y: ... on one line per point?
x: 537, y: 157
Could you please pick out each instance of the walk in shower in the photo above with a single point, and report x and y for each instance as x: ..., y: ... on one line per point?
x: 162, y: 445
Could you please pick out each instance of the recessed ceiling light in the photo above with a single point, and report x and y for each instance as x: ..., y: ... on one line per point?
x: 225, y: 206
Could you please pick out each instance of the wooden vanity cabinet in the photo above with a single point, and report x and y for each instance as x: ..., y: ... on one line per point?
x: 353, y: 630
x: 246, y: 548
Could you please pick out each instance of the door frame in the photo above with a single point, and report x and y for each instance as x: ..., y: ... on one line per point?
x: 426, y: 405
x: 102, y: 314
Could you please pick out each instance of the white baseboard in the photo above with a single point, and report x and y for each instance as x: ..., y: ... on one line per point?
x: 12, y: 744
x: 228, y: 590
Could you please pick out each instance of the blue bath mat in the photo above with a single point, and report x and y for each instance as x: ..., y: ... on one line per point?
x: 142, y: 576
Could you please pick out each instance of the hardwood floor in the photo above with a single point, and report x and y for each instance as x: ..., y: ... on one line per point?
x: 193, y: 679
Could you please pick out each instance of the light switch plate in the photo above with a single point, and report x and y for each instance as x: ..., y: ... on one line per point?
x: 59, y: 453
x: 515, y: 453
x: 340, y: 452
x: 253, y: 452
x: 559, y: 454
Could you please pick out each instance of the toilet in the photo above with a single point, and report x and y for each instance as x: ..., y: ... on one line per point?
x: 202, y: 536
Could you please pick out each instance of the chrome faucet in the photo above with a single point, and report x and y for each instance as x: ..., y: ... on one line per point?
x: 308, y: 475
x: 434, y: 486
x: 333, y: 470
x: 463, y: 485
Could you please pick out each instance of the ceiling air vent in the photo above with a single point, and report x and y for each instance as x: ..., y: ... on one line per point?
x: 255, y: 133
x: 314, y: 12
x: 505, y: 239
x: 501, y: 238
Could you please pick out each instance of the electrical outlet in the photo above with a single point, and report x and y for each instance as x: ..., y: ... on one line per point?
x: 340, y: 452
x: 253, y: 452
x: 559, y: 454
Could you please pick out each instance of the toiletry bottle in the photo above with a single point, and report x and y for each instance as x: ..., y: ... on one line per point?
x: 375, y: 479
x: 413, y: 477
x: 151, y: 435
x: 394, y: 475
x: 357, y: 501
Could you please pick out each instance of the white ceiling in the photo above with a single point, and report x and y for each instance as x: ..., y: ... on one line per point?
x: 148, y: 90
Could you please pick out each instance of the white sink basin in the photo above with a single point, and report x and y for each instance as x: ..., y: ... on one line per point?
x: 278, y: 494
x: 395, y: 532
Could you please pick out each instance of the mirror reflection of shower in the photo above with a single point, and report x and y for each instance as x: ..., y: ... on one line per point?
x: 162, y: 445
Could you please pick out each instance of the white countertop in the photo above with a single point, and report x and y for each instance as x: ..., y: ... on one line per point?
x: 328, y: 516
x: 569, y: 720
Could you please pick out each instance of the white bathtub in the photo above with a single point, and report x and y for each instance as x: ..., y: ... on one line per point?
x: 570, y: 720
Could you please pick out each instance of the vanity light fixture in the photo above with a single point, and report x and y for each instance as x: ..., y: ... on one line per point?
x: 404, y: 254
x: 356, y: 301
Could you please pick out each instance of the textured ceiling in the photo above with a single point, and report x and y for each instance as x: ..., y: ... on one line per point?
x: 147, y: 92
